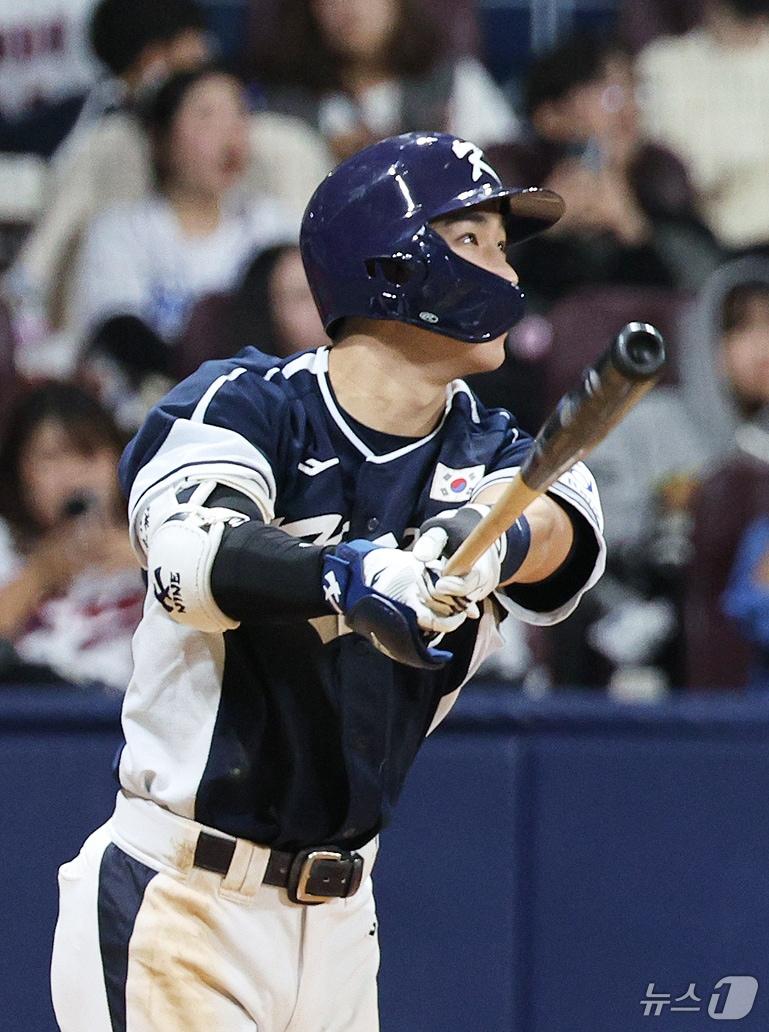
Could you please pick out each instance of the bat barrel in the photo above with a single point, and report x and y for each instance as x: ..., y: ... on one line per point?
x: 638, y: 351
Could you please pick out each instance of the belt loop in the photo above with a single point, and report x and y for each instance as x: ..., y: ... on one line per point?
x: 246, y: 871
x: 255, y: 873
x: 236, y: 873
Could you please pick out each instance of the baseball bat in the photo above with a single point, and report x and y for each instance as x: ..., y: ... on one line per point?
x: 622, y: 375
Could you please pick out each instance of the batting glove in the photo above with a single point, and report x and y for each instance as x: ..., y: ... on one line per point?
x: 386, y: 595
x: 442, y: 535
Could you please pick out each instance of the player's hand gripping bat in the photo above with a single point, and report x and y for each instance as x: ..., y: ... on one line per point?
x: 583, y: 417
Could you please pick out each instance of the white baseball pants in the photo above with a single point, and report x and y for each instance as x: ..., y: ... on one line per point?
x: 145, y: 942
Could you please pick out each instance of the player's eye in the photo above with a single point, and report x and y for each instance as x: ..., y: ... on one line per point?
x: 469, y: 238
x: 502, y: 245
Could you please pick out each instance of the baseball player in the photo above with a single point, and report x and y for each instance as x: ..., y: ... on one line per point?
x: 299, y: 639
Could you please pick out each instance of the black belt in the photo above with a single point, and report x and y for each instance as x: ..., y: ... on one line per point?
x: 309, y: 876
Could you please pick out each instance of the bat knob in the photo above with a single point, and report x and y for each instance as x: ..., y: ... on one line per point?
x: 639, y: 351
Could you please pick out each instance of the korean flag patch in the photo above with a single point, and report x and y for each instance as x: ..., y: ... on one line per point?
x: 455, y: 485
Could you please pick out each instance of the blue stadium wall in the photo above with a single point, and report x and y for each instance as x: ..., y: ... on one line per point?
x: 549, y: 860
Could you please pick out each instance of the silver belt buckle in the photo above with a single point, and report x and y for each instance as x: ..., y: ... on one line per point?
x: 302, y: 895
x: 302, y: 870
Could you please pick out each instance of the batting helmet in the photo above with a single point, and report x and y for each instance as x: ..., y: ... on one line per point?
x: 369, y: 249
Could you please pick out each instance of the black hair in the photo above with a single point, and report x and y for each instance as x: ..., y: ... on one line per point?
x: 161, y: 106
x: 253, y: 320
x: 121, y: 29
x: 306, y: 59
x: 87, y: 425
x: 576, y: 61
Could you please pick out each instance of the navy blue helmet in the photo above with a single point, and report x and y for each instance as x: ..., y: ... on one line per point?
x: 369, y: 249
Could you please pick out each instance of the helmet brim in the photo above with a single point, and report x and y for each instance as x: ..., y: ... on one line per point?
x: 530, y: 210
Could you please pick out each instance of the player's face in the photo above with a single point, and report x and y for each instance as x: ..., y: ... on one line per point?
x: 208, y: 145
x: 478, y: 235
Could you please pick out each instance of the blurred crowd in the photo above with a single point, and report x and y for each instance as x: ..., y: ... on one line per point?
x: 154, y: 166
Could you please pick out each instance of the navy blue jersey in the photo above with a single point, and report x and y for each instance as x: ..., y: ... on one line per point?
x: 295, y: 732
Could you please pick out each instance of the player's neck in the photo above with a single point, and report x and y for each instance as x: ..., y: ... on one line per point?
x: 387, y: 387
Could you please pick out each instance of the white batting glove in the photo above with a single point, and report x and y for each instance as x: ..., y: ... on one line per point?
x: 462, y: 593
x: 404, y: 577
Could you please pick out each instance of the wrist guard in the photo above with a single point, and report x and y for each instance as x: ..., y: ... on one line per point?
x: 512, y: 546
x: 389, y: 625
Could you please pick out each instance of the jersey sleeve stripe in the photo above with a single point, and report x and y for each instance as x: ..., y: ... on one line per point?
x: 554, y: 616
x: 199, y: 412
x: 220, y: 472
x: 585, y: 502
x: 460, y: 387
x: 203, y: 450
x: 498, y: 476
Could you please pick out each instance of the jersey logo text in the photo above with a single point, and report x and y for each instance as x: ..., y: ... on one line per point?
x: 169, y: 595
x: 319, y: 530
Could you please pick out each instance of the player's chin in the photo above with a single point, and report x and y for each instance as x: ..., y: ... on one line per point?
x: 487, y: 356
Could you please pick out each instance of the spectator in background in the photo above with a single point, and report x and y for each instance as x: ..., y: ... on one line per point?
x: 107, y: 161
x: 71, y: 592
x: 647, y: 471
x: 273, y: 308
x: 724, y: 361
x: 706, y: 96
x: 723, y: 355
x: 104, y: 160
x: 359, y: 70
x: 681, y: 478
x: 630, y: 210
x: 746, y: 600
x: 45, y: 66
x: 150, y: 261
x: 140, y: 45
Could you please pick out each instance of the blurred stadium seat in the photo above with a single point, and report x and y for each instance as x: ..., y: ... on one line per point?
x: 585, y: 323
x: 207, y: 334
x: 717, y: 656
